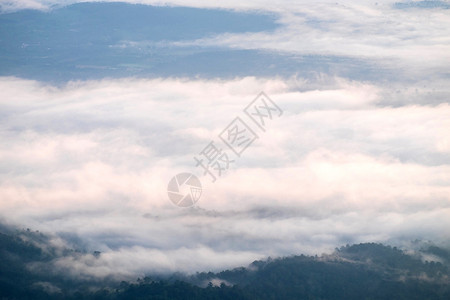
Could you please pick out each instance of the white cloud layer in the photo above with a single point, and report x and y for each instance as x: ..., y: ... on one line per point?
x: 341, y: 165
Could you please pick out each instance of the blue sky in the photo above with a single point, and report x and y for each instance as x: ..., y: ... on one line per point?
x: 102, y: 103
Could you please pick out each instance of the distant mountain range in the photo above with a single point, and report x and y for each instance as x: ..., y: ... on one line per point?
x: 114, y: 40
x: 363, y: 271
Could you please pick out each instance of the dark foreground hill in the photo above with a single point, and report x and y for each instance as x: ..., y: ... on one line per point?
x: 364, y: 271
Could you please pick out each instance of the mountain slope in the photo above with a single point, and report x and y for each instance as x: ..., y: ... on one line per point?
x: 364, y: 271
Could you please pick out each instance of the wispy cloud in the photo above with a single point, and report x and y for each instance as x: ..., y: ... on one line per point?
x: 412, y: 42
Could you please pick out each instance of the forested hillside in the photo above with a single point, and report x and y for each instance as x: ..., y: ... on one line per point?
x: 363, y: 271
